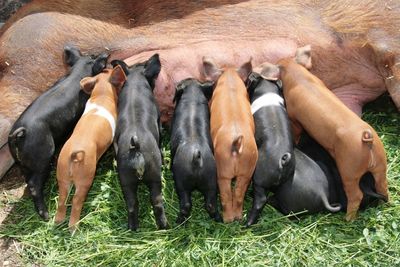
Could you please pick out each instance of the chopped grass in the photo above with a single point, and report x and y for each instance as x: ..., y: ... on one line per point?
x: 317, y: 240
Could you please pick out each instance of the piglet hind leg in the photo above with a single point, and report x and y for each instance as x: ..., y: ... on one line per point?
x: 36, y: 181
x: 185, y: 205
x: 354, y: 196
x: 259, y: 201
x: 77, y: 204
x: 129, y: 184
x: 210, y: 202
x: 225, y: 192
x: 130, y: 194
x: 158, y: 204
x: 379, y: 169
x: 381, y: 185
x: 239, y: 193
x: 63, y: 188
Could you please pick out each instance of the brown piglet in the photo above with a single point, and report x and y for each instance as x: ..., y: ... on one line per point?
x: 91, y: 137
x: 353, y: 143
x: 232, y: 134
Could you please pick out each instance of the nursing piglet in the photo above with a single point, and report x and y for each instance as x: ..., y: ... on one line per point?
x: 193, y: 163
x: 276, y: 162
x: 232, y: 133
x: 137, y: 139
x: 92, y: 136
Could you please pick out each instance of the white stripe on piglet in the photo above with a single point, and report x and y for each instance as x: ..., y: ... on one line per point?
x: 268, y: 99
x: 102, y: 112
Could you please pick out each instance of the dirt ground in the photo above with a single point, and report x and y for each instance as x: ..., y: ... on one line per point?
x: 12, y: 188
x: 8, y: 7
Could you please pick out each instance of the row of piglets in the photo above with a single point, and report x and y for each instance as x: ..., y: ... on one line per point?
x: 48, y: 122
x: 226, y: 130
x: 303, y: 178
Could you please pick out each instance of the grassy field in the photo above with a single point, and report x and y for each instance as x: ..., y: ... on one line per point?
x: 103, y: 239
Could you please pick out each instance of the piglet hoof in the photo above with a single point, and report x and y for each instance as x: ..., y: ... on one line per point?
x: 228, y: 218
x: 72, y: 228
x: 163, y: 225
x: 59, y: 218
x: 249, y: 223
x: 44, y: 214
x: 162, y: 222
x: 181, y: 219
x: 133, y: 227
x: 217, y: 217
x: 239, y: 217
x: 133, y: 224
x: 351, y: 216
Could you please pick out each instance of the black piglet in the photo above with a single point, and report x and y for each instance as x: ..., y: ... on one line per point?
x: 137, y: 139
x: 193, y: 164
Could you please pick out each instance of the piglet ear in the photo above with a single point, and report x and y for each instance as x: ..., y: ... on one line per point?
x: 179, y: 91
x: 208, y: 89
x: 99, y: 64
x: 87, y: 84
x: 71, y: 55
x: 118, y: 78
x: 252, y: 81
x: 211, y: 71
x: 303, y: 56
x: 123, y: 65
x: 245, y: 70
x: 152, y: 68
x: 270, y: 71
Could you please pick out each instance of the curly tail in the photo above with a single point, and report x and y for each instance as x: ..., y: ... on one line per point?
x: 134, y: 144
x: 76, y: 157
x: 18, y: 133
x: 237, y: 145
x: 138, y: 161
x: 14, y: 139
x: 367, y: 137
x: 197, y: 159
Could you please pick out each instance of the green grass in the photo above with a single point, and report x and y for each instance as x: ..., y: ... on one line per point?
x: 318, y: 240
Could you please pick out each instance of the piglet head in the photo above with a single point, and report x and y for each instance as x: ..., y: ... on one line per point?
x: 245, y: 70
x: 269, y: 71
x: 205, y: 88
x: 152, y: 68
x: 117, y: 78
x: 87, y: 84
x: 99, y: 64
x: 212, y: 71
x: 71, y: 55
x: 252, y: 82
